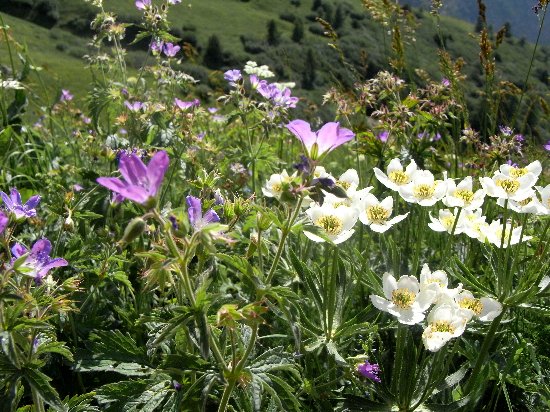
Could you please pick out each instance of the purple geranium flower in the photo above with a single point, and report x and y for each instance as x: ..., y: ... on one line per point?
x: 142, y: 4
x: 445, y: 82
x: 157, y: 45
x: 14, y: 204
x: 383, y: 136
x: 134, y: 107
x: 141, y: 183
x: 170, y: 50
x: 232, y: 76
x: 194, y: 212
x: 38, y: 262
x: 3, y: 222
x: 182, y: 105
x: 369, y: 370
x: 66, y: 96
x: 329, y: 137
x: 547, y: 146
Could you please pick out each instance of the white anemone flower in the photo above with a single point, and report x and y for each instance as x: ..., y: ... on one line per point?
x: 507, y: 187
x: 445, y: 322
x: 475, y: 225
x: 404, y: 299
x: 445, y: 222
x: 336, y: 222
x: 535, y: 168
x: 348, y: 181
x: 545, y: 199
x: 511, y: 236
x: 438, y: 282
x: 529, y: 205
x: 274, y: 186
x: 397, y: 177
x: 376, y: 214
x: 485, y: 309
x: 424, y: 189
x: 321, y: 173
x: 462, y: 195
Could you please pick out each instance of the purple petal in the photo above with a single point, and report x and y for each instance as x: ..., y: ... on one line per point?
x: 7, y: 200
x: 210, y: 217
x: 327, y: 136
x: 41, y: 246
x: 18, y: 250
x: 54, y: 263
x: 133, y: 170
x: 155, y: 171
x: 194, y: 209
x: 15, y: 197
x: 344, y: 135
x: 302, y: 130
x: 32, y: 202
x: 3, y: 222
x: 132, y: 192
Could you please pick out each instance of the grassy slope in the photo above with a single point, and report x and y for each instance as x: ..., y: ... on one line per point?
x: 61, y: 69
x: 230, y: 19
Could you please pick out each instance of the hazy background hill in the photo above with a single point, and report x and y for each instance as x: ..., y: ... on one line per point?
x: 518, y: 13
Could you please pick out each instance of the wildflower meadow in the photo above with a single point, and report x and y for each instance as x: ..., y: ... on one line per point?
x: 164, y: 247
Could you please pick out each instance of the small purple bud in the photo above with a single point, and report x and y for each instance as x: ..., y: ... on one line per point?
x: 369, y: 370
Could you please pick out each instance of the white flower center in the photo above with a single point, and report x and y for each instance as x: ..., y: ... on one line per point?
x: 472, y: 304
x: 331, y: 224
x: 403, y: 298
x: 442, y: 326
x: 465, y: 195
x: 398, y: 177
x: 377, y: 214
x: 518, y: 172
x: 510, y: 186
x: 424, y: 191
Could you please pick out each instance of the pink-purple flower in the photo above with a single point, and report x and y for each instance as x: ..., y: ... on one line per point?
x: 170, y: 49
x: 194, y: 212
x: 547, y: 146
x: 134, y: 106
x: 369, y: 370
x: 15, y: 205
x: 232, y: 76
x: 66, y: 95
x: 185, y: 105
x: 141, y: 183
x: 143, y: 4
x: 38, y: 262
x: 329, y: 137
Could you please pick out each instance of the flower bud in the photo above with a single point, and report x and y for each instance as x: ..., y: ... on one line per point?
x: 68, y: 224
x: 135, y: 228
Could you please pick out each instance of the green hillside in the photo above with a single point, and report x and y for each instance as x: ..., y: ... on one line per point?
x: 241, y: 27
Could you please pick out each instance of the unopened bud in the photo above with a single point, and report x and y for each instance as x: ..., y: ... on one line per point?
x: 135, y: 228
x: 68, y: 224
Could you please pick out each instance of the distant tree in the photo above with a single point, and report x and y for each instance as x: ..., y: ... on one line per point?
x: 339, y: 17
x: 296, y: 3
x: 273, y: 35
x: 316, y: 4
x: 298, y: 31
x: 213, y: 55
x: 309, y: 75
x: 508, y: 28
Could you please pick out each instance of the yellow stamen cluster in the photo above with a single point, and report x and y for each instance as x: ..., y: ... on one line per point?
x: 331, y: 224
x: 343, y: 185
x: 448, y: 222
x: 277, y: 187
x: 442, y: 326
x: 473, y: 304
x: 346, y: 203
x: 399, y: 177
x: 403, y: 298
x: 518, y: 172
x: 435, y: 280
x: 377, y: 214
x: 510, y: 186
x: 464, y: 194
x: 424, y: 191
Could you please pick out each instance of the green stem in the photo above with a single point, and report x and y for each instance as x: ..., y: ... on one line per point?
x: 37, y: 401
x: 236, y: 372
x: 399, y: 352
x: 481, y: 358
x: 281, y: 244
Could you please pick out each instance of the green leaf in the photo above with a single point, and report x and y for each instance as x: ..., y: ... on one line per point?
x: 41, y: 384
